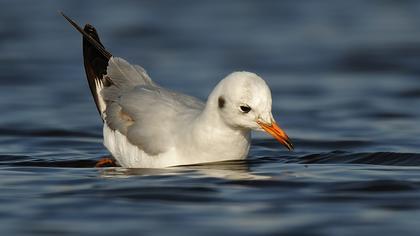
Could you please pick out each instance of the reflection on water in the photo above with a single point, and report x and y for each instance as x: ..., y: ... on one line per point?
x: 344, y: 79
x: 231, y: 170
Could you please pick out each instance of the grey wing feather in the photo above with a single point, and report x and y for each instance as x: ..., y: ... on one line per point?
x: 145, y: 113
x: 124, y: 75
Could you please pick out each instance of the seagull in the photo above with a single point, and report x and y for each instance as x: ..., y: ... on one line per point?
x: 148, y: 126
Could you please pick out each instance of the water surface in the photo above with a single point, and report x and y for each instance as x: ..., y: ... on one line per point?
x: 345, y: 83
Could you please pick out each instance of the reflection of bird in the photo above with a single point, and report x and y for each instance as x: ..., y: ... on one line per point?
x: 228, y: 170
x: 146, y: 125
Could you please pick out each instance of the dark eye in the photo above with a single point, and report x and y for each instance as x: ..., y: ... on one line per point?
x: 245, y: 108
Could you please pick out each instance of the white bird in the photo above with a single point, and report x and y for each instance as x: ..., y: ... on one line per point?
x: 148, y: 126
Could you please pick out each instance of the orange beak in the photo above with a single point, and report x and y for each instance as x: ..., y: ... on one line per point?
x: 277, y: 133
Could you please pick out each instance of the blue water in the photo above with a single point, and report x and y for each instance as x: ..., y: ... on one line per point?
x: 345, y: 82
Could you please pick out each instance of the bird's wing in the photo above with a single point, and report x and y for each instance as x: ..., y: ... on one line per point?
x: 150, y: 116
x: 101, y: 66
x: 129, y: 101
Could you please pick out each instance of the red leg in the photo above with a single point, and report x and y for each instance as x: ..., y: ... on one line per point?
x: 106, y: 162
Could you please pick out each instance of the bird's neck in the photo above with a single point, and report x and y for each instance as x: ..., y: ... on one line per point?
x: 211, y: 117
x: 213, y: 134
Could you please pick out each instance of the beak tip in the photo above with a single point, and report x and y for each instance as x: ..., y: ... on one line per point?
x: 290, y: 146
x: 277, y: 133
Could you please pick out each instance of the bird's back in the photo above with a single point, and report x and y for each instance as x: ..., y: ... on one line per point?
x: 149, y: 115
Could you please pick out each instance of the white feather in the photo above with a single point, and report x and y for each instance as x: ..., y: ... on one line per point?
x: 102, y: 105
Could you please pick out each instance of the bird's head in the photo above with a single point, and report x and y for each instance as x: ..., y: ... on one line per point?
x: 244, y: 102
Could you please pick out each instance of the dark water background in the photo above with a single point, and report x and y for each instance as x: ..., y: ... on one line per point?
x: 346, y: 87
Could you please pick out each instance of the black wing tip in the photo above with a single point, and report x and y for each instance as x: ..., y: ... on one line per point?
x: 61, y: 13
x: 95, y: 58
x: 90, y: 29
x: 95, y: 63
x: 89, y: 34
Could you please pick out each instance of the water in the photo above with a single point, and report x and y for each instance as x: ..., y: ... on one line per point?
x: 345, y: 83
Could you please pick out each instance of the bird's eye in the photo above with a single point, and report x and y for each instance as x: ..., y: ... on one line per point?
x: 245, y: 108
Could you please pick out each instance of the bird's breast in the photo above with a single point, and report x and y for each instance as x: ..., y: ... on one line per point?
x: 213, y: 145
